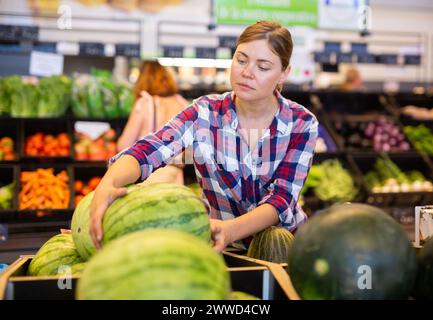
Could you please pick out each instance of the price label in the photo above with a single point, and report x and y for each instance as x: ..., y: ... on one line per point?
x: 45, y: 64
x: 128, y: 50
x: 227, y: 42
x: 92, y: 49
x: 173, y: 51
x: 93, y: 129
x: 205, y: 53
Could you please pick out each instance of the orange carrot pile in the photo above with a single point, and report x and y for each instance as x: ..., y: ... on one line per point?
x: 42, y: 189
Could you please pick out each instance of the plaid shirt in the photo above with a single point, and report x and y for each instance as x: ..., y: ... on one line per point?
x: 233, y: 178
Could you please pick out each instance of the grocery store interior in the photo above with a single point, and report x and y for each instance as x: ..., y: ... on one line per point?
x: 67, y: 75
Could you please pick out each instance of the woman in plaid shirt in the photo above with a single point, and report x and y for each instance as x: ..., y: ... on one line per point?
x: 252, y: 147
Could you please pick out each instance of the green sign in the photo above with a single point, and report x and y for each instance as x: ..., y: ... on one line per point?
x: 286, y: 12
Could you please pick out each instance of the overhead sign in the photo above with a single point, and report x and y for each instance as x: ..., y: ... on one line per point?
x: 287, y: 12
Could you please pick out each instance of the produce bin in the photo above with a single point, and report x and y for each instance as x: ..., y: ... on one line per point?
x: 8, y: 175
x: 312, y: 202
x: 9, y: 129
x: 46, y: 214
x: 52, y: 127
x: 265, y: 280
x: 406, y: 163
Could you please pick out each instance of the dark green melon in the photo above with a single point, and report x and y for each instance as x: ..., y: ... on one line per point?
x: 424, y: 281
x: 352, y: 251
x: 272, y: 244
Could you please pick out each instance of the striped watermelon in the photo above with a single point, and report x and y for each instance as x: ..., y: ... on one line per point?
x: 155, y: 264
x: 159, y: 205
x: 75, y: 269
x: 80, y: 227
x: 272, y: 244
x: 56, y: 254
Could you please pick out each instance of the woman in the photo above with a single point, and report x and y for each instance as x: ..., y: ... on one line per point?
x: 252, y: 147
x: 156, y: 102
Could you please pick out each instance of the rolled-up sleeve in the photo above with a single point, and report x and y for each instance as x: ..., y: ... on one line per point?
x: 290, y: 176
x: 156, y: 150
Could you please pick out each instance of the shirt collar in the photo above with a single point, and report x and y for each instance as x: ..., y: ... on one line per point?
x: 280, y: 122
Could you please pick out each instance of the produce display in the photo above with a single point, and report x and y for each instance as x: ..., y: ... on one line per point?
x: 7, y: 149
x: 272, y: 244
x: 330, y: 181
x: 155, y: 264
x: 380, y: 135
x: 43, y: 189
x: 83, y: 188
x: 349, y: 248
x: 158, y: 205
x: 100, y: 149
x: 30, y: 97
x: 387, y: 177
x: 55, y: 256
x: 7, y: 195
x: 98, y: 96
x: 47, y: 145
x: 421, y: 137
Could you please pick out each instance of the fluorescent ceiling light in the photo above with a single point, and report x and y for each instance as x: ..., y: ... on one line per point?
x: 198, y: 63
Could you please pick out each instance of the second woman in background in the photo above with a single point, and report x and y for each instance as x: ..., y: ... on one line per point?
x: 156, y: 101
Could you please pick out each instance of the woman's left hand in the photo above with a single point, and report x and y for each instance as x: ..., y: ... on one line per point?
x: 220, y: 234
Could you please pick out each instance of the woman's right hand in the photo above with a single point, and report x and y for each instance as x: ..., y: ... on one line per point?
x: 104, y: 195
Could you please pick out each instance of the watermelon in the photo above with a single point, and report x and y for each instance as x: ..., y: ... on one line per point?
x: 75, y: 269
x: 424, y: 281
x: 352, y: 251
x: 272, y: 244
x: 80, y: 227
x: 157, y: 205
x: 54, y: 256
x: 239, y: 295
x: 155, y: 264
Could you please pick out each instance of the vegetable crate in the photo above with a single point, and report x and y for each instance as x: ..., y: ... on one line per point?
x: 332, y: 178
x: 44, y: 192
x: 265, y: 280
x: 396, y: 179
x: 8, y: 191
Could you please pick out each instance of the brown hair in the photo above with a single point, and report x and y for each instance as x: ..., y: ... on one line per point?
x: 279, y: 39
x: 155, y: 79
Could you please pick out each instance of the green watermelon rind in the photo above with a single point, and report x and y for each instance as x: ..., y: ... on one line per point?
x: 155, y: 264
x: 58, y: 252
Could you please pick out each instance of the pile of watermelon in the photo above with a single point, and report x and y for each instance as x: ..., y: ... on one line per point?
x: 156, y: 245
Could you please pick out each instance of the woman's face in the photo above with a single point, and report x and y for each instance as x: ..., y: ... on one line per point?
x: 256, y: 71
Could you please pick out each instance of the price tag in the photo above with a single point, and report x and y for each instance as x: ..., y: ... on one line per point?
x: 45, y: 64
x: 423, y: 224
x: 128, y: 49
x: 205, y: 53
x: 93, y: 129
x: 173, y: 51
x: 227, y: 42
x: 92, y: 49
